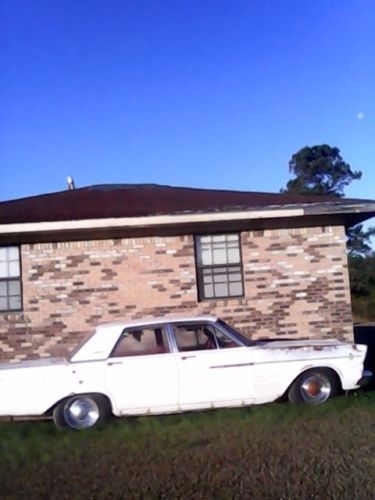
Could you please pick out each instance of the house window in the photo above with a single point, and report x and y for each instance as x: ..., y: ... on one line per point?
x: 10, y: 279
x: 219, y: 266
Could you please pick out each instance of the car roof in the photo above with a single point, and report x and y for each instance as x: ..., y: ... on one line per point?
x: 172, y: 318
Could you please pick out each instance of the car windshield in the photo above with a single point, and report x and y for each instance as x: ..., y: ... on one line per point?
x: 235, y: 333
x: 81, y: 344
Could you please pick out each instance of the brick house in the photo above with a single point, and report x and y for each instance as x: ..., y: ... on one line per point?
x: 271, y: 264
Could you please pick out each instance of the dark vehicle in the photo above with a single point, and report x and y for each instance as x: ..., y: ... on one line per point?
x: 365, y: 334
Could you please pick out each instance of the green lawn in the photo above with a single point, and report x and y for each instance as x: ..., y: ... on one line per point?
x: 274, y: 451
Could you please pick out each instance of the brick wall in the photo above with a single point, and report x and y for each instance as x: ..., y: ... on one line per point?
x: 296, y: 285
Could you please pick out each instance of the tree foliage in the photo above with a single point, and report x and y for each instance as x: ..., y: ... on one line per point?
x: 359, y: 240
x: 362, y: 284
x: 320, y: 170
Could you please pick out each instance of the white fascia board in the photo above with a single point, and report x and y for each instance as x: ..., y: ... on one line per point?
x: 343, y: 208
x: 154, y: 220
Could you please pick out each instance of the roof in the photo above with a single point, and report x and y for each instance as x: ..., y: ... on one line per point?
x: 100, y: 344
x: 126, y: 210
x: 143, y: 200
x: 158, y: 320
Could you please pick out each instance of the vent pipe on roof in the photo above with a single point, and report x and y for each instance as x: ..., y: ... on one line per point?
x: 70, y: 182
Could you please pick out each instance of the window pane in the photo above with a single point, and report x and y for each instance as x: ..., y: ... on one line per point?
x: 14, y: 288
x: 235, y: 289
x: 208, y: 291
x: 141, y: 342
x: 219, y: 238
x: 3, y: 303
x: 10, y: 289
x: 224, y: 341
x: 204, y: 239
x: 234, y: 277
x: 206, y: 256
x: 220, y: 255
x: 3, y: 270
x: 14, y: 269
x: 3, y: 288
x: 13, y: 253
x: 233, y: 255
x: 222, y: 281
x: 14, y: 303
x: 187, y: 339
x: 221, y: 278
x: 219, y: 265
x: 221, y: 290
x: 218, y: 250
x: 233, y: 237
x: 194, y: 338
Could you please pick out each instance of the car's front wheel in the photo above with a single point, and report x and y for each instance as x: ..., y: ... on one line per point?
x: 314, y: 387
x: 82, y: 411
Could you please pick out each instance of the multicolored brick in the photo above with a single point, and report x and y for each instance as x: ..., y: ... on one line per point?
x: 296, y: 285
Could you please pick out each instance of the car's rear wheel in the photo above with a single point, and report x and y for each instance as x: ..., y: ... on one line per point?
x: 314, y: 387
x: 82, y: 411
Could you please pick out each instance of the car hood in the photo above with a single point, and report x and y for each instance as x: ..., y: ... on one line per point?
x: 295, y: 344
x: 315, y: 345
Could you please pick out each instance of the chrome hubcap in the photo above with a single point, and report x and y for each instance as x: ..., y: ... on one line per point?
x: 81, y: 412
x: 316, y: 388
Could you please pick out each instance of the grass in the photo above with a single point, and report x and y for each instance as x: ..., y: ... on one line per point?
x: 274, y: 451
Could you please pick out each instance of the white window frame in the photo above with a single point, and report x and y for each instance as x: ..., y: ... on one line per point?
x: 10, y: 279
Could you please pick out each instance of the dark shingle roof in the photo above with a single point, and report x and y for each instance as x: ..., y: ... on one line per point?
x: 132, y: 200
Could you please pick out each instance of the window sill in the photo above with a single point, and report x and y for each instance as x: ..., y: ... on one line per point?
x: 220, y: 299
x: 12, y: 315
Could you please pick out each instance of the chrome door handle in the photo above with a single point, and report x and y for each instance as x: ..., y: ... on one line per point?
x: 187, y: 357
x: 110, y: 363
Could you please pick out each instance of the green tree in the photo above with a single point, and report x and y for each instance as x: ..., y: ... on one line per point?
x: 362, y: 284
x: 361, y: 261
x: 359, y: 241
x: 320, y: 170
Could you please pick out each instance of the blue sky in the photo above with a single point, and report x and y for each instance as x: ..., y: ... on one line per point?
x: 205, y: 93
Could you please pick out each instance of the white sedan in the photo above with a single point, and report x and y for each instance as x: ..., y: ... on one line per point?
x: 166, y: 365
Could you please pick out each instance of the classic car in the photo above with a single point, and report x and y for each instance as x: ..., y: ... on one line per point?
x: 167, y: 365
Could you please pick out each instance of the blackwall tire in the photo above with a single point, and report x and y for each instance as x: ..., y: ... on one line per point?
x: 314, y: 387
x: 82, y: 411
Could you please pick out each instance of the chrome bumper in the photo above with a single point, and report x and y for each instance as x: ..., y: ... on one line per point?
x: 365, y: 379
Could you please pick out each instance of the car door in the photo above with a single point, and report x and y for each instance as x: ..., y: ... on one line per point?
x: 214, y: 370
x: 142, y: 372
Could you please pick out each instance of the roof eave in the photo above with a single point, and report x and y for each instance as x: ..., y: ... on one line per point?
x: 346, y: 214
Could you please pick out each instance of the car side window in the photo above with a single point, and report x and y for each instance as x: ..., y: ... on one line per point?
x: 224, y: 341
x: 140, y: 342
x: 195, y: 337
x: 201, y: 337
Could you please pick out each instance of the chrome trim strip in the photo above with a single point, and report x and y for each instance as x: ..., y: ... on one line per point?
x: 273, y: 362
x: 232, y: 366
